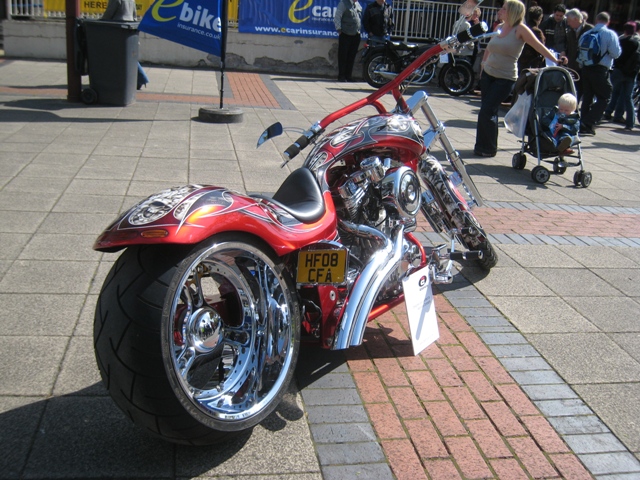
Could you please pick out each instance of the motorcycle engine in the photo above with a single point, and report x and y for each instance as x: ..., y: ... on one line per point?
x: 382, y: 196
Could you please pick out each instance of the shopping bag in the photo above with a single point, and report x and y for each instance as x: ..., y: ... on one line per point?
x: 516, y: 118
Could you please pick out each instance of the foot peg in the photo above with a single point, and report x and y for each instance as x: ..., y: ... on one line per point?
x: 470, y: 255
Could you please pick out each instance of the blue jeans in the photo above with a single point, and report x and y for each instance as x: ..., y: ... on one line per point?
x: 622, y: 100
x: 494, y: 92
x: 377, y: 41
x: 142, y: 77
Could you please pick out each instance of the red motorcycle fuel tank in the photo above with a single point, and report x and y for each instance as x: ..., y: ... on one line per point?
x: 392, y: 135
x: 192, y: 213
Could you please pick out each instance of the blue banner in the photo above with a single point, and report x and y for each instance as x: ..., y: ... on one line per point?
x: 193, y: 23
x: 300, y: 18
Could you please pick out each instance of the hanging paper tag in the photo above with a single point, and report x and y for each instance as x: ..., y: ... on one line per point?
x: 421, y: 311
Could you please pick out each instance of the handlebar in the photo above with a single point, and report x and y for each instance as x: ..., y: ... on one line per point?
x: 474, y: 33
x: 295, y: 148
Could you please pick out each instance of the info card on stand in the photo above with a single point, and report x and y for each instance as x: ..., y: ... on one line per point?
x: 418, y: 299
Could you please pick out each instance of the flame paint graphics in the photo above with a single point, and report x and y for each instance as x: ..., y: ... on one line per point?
x: 192, y: 205
x: 363, y: 133
x: 174, y: 206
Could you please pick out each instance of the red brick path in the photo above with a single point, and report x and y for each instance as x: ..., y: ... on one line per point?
x: 453, y: 411
x: 242, y: 89
x: 543, y: 222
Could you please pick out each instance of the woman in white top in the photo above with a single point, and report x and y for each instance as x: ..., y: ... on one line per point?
x: 500, y: 72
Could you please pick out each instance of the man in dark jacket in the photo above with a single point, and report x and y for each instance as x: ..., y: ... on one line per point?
x: 347, y: 21
x: 555, y: 30
x: 378, y: 21
x: 576, y: 26
x: 623, y: 77
x: 597, y: 87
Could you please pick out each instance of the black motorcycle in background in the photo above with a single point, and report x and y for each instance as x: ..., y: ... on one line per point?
x: 381, y: 63
x: 457, y: 76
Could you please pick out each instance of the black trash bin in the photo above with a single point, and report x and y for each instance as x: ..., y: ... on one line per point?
x: 112, y: 57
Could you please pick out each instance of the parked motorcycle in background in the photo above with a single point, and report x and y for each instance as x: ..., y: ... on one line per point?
x: 383, y: 63
x: 456, y: 76
x: 199, y: 322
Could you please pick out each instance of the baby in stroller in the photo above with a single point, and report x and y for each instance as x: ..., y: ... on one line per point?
x: 561, y: 125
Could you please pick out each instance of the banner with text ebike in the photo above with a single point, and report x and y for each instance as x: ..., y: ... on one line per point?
x: 299, y: 18
x: 193, y: 23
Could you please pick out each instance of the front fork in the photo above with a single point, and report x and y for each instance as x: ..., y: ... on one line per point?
x: 441, y: 257
x: 445, y: 207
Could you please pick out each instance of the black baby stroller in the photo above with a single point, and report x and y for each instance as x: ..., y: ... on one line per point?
x: 546, y: 85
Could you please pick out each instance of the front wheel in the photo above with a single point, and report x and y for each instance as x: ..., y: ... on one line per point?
x: 197, y: 344
x: 454, y: 215
x: 456, y: 79
x: 374, y: 68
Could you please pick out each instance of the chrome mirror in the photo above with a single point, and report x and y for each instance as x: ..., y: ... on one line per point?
x: 271, y: 131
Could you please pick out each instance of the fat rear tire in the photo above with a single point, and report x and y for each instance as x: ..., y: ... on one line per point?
x: 140, y: 314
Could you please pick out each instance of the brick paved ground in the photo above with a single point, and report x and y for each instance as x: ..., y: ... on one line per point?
x: 554, y: 222
x: 454, y: 411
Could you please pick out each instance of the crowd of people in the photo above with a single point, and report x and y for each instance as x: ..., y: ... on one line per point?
x: 526, y: 40
x: 606, y: 67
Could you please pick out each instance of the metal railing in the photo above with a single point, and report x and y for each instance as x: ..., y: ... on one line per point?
x: 417, y: 20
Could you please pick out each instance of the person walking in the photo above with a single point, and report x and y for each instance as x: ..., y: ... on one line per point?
x: 555, y: 30
x: 125, y: 11
x: 596, y: 82
x: 576, y: 26
x: 623, y: 78
x: 500, y: 72
x: 377, y: 20
x: 348, y: 21
x: 120, y: 11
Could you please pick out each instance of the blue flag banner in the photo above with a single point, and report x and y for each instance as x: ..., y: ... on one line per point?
x: 193, y: 23
x: 299, y: 18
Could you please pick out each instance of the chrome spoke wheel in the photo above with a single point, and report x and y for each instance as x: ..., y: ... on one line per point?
x: 233, y: 340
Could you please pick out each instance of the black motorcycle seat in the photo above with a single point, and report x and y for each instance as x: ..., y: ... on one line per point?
x: 300, y: 196
x: 405, y: 46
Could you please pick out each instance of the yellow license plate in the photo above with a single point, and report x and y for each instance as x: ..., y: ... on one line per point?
x: 322, y: 266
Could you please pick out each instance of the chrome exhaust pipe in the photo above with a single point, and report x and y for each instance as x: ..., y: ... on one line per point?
x: 386, y: 74
x: 363, y: 295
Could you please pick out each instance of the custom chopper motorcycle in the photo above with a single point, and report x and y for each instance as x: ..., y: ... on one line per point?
x: 199, y: 322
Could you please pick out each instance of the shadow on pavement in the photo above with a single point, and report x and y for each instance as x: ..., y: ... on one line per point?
x: 40, y: 110
x: 84, y: 434
x: 62, y: 88
x: 315, y: 362
x: 508, y: 176
x: 46, y: 104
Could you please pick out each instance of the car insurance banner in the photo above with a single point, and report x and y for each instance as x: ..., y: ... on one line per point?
x: 300, y: 18
x: 193, y: 23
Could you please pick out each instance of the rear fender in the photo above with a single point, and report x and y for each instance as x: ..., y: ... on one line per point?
x: 187, y: 215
